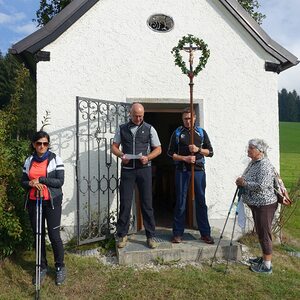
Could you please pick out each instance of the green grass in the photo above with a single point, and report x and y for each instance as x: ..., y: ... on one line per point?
x: 290, y: 172
x: 89, y: 279
x: 289, y: 137
x: 289, y: 152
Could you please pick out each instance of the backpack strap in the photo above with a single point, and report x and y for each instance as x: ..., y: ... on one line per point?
x: 200, y: 132
x: 177, y: 134
x: 198, y: 129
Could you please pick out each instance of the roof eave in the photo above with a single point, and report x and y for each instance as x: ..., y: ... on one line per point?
x: 285, y: 58
x: 26, y: 48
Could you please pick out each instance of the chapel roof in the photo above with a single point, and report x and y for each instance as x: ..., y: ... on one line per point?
x: 29, y: 48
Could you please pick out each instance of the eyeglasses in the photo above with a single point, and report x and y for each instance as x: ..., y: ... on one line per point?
x: 46, y: 144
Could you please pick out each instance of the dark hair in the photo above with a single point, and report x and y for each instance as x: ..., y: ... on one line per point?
x: 39, y: 135
x: 187, y: 110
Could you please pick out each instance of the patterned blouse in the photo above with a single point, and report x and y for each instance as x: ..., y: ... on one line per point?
x: 259, y: 188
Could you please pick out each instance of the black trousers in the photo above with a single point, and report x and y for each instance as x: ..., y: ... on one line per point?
x: 143, y: 178
x: 52, y: 216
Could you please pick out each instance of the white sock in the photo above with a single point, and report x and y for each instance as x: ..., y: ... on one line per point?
x: 267, y: 263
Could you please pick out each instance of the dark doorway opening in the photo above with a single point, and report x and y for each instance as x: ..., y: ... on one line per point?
x: 163, y: 169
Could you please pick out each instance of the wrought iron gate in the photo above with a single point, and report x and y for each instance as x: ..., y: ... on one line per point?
x: 97, y: 170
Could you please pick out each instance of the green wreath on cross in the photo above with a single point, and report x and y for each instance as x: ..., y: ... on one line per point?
x: 190, y: 39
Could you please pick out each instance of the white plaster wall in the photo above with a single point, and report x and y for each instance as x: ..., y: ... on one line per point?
x: 110, y: 53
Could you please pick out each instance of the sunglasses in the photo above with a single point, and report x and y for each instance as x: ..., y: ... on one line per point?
x: 46, y: 144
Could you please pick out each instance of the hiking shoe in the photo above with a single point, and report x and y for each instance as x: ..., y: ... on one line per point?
x: 151, y: 243
x: 207, y: 239
x: 261, y: 268
x: 60, y: 276
x: 176, y: 239
x: 255, y: 261
x: 122, y: 242
x: 43, y: 276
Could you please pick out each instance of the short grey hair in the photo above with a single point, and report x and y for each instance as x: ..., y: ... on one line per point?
x: 260, y: 145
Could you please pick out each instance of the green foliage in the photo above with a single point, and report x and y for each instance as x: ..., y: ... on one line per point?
x: 187, y: 41
x: 289, y: 106
x: 8, y: 70
x: 14, y: 227
x: 25, y: 122
x: 251, y: 7
x: 48, y: 9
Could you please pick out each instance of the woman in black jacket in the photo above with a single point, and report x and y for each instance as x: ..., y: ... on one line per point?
x: 43, y: 171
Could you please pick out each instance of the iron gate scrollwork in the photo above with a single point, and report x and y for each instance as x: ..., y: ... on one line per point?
x: 97, y: 170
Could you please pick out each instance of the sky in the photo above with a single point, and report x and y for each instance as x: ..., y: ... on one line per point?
x: 282, y: 24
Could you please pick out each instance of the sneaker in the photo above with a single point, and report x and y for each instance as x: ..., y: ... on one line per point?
x: 255, y: 261
x: 151, y: 243
x: 122, y: 242
x: 60, y: 276
x: 43, y: 276
x: 261, y: 268
x: 207, y: 239
x: 176, y: 239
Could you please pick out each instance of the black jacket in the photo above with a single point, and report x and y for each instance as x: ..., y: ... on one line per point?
x: 180, y: 146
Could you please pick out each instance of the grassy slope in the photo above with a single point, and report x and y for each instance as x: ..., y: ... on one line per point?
x: 290, y: 169
x: 290, y: 152
x: 89, y: 279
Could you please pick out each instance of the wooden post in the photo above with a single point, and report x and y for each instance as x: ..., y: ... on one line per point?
x: 191, y: 197
x: 199, y: 45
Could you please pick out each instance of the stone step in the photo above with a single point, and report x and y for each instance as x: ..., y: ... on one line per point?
x: 192, y: 249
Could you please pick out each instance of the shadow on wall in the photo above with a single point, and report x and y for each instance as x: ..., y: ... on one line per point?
x: 90, y: 202
x: 95, y: 194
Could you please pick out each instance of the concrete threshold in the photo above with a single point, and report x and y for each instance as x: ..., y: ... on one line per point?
x: 192, y: 249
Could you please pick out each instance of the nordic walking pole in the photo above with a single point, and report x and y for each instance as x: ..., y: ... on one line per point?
x: 233, y: 229
x: 38, y: 245
x: 221, y: 236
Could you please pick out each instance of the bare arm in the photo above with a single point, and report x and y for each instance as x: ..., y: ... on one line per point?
x: 154, y: 153
x: 190, y: 159
x: 195, y: 149
x: 117, y: 152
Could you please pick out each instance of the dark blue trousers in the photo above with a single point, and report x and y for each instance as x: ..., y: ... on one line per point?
x: 142, y: 177
x: 183, y: 179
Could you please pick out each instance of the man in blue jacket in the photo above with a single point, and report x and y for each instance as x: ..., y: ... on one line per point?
x: 184, y: 154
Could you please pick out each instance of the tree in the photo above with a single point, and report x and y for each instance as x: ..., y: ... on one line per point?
x: 289, y: 106
x: 48, y: 9
x: 14, y: 224
x: 251, y: 7
x: 8, y: 70
x: 26, y: 121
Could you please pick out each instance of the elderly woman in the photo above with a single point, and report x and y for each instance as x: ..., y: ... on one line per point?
x: 257, y: 185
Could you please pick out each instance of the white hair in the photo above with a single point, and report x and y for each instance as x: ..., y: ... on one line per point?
x: 260, y: 145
